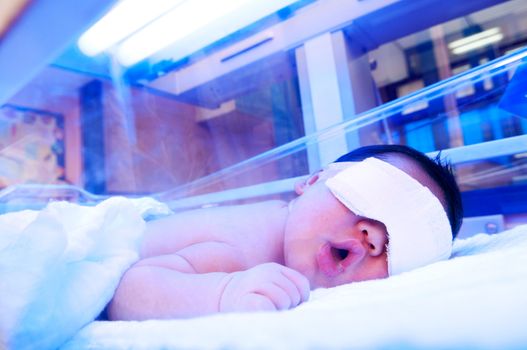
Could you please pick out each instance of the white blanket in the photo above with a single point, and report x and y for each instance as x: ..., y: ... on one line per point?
x: 477, y: 299
x: 59, y: 267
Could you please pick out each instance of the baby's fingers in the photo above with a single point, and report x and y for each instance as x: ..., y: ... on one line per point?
x: 279, y: 297
x: 255, y: 302
x: 300, y: 282
x: 290, y: 288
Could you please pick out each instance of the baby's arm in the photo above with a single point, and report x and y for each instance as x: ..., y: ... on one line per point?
x: 166, y: 287
x: 150, y: 291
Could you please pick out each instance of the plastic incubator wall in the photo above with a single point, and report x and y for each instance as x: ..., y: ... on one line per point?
x: 237, y: 114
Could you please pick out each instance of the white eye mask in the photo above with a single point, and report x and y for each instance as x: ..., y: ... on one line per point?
x: 418, y: 227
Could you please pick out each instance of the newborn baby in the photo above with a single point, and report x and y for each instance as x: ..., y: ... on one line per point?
x: 377, y: 211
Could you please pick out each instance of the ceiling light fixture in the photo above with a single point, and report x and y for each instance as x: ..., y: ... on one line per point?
x: 193, y: 25
x: 476, y: 41
x: 125, y: 18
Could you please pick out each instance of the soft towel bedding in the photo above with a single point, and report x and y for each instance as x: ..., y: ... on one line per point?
x: 59, y: 266
x: 477, y: 299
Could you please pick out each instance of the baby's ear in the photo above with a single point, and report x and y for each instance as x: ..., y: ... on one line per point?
x: 301, y: 185
x: 320, y: 175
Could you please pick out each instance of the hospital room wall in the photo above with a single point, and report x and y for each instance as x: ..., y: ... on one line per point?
x: 154, y: 143
x: 168, y: 145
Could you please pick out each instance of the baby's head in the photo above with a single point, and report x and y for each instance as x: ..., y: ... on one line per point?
x: 385, y: 210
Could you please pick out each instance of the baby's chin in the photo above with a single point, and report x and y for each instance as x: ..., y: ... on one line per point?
x: 316, y: 283
x: 304, y: 269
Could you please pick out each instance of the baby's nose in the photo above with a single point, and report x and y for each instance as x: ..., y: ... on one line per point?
x: 374, y: 236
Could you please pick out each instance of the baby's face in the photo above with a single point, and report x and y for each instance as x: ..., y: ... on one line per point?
x: 331, y: 245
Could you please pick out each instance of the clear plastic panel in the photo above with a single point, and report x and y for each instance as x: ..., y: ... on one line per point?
x: 483, y: 135
x: 231, y: 121
x: 106, y: 128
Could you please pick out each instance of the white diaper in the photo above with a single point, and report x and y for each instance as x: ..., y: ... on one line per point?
x: 418, y: 227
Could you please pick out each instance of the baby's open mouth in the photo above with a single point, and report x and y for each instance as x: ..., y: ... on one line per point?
x: 339, y: 254
x: 334, y: 258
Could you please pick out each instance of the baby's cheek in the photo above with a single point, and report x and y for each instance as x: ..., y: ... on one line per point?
x: 378, y: 269
x: 298, y: 262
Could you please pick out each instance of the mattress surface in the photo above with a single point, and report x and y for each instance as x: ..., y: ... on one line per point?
x: 477, y: 299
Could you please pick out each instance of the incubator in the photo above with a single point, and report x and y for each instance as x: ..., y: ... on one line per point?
x: 186, y: 104
x: 237, y: 108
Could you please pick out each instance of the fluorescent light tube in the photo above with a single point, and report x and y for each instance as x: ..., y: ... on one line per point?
x: 195, y: 24
x: 473, y: 37
x: 478, y: 43
x: 122, y: 20
x: 475, y: 41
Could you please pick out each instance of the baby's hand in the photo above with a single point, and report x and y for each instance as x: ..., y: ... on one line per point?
x: 264, y: 287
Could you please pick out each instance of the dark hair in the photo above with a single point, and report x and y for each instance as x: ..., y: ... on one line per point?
x: 439, y: 171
